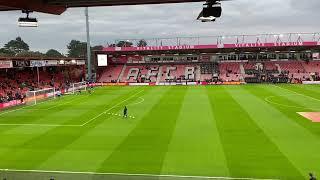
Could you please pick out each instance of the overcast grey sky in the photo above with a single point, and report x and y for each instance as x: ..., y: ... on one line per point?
x: 167, y: 20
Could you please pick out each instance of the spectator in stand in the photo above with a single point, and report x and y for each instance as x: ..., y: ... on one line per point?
x: 21, y: 97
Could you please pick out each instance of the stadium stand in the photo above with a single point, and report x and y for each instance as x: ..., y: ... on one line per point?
x: 111, y: 73
x: 251, y: 72
x: 15, y: 82
x: 230, y: 71
x: 152, y: 73
x: 311, y: 67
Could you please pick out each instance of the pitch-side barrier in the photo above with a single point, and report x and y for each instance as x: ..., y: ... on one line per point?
x: 169, y: 84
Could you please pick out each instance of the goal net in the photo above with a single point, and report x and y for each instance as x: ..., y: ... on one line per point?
x: 75, y: 87
x: 33, y: 97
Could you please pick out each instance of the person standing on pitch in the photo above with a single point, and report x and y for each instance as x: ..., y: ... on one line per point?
x: 312, y: 177
x: 125, y: 112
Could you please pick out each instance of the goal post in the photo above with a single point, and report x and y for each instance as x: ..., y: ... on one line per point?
x: 75, y: 87
x: 33, y: 97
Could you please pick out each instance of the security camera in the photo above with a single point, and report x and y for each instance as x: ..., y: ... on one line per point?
x: 207, y: 19
x: 27, y: 21
x: 214, y: 10
x: 210, y: 12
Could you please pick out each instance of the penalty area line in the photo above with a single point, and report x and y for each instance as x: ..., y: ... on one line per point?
x: 24, y: 107
x: 66, y: 125
x: 104, y: 112
x: 27, y: 106
x: 141, y: 101
x: 68, y: 102
x: 128, y: 174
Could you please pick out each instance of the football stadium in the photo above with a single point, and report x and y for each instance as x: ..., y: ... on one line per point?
x: 237, y: 109
x: 168, y: 105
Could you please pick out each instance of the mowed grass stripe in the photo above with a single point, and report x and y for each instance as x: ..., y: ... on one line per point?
x: 24, y: 114
x: 144, y: 150
x: 79, y: 109
x: 42, y: 105
x: 94, y: 146
x: 300, y: 89
x: 195, y: 148
x: 249, y: 151
x: 294, y: 141
x: 30, y: 106
x: 30, y: 154
x: 59, y: 118
x: 45, y: 116
x: 14, y: 136
x: 293, y: 106
x: 312, y: 87
x: 11, y: 137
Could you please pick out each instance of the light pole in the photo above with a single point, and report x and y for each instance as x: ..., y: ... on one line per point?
x: 88, y: 45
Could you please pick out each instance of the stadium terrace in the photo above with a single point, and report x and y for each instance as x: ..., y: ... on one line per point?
x: 20, y: 75
x: 239, y: 59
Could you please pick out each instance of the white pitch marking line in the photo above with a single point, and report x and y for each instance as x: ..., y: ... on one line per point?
x: 26, y: 106
x: 269, y: 100
x: 298, y: 93
x: 58, y: 125
x: 141, y: 101
x: 94, y: 118
x: 6, y: 112
x: 74, y: 99
x: 127, y: 174
x: 38, y: 109
x: 44, y: 125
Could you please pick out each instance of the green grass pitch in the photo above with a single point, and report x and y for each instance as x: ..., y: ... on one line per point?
x: 250, y: 131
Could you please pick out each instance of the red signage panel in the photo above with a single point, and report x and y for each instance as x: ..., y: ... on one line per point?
x: 212, y: 46
x: 5, y: 64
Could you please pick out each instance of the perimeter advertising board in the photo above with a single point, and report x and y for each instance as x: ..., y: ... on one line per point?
x: 35, y: 63
x: 21, y: 63
x: 5, y: 64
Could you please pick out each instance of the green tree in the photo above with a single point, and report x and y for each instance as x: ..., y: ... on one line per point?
x: 77, y: 49
x: 5, y: 52
x: 54, y: 53
x: 16, y: 46
x: 30, y: 54
x: 97, y: 48
x: 142, y: 43
x: 124, y: 44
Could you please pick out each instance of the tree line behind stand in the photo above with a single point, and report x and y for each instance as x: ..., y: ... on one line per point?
x: 76, y: 49
x: 19, y: 48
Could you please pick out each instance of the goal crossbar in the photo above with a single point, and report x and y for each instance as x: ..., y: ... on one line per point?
x: 32, y: 97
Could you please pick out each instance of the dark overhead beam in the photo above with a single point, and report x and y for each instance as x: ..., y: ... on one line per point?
x: 82, y: 3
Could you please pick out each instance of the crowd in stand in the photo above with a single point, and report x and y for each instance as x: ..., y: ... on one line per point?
x: 251, y: 72
x: 14, y: 83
